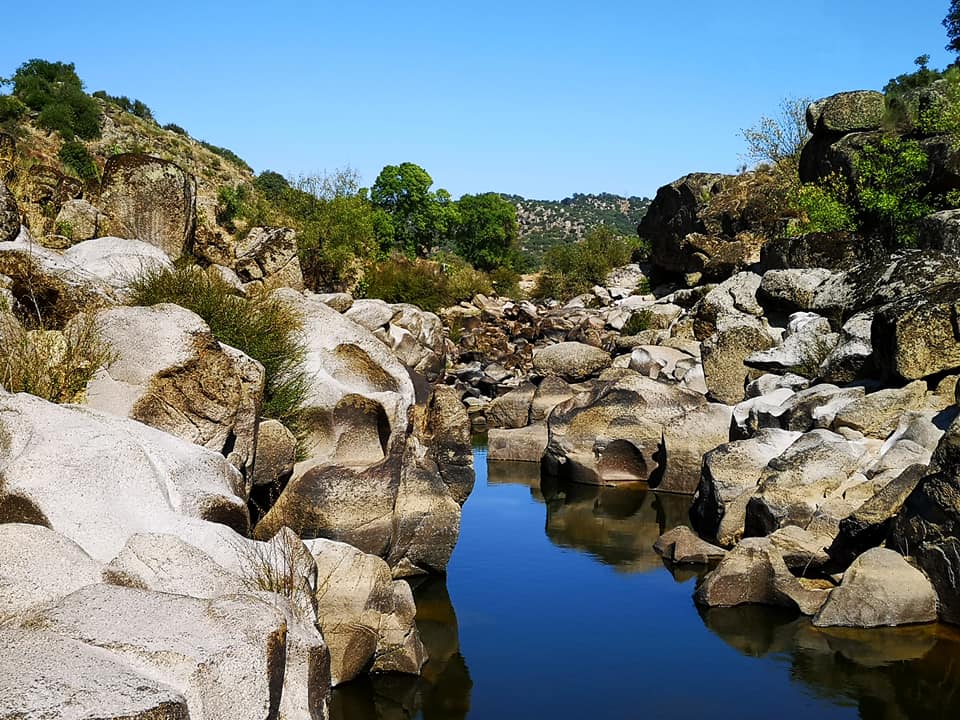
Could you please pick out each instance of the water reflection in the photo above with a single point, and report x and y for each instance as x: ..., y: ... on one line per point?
x: 442, y: 692
x: 885, y: 673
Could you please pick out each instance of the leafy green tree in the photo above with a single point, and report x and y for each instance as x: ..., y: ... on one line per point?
x: 420, y: 218
x: 56, y: 92
x: 486, y: 235
x: 952, y: 23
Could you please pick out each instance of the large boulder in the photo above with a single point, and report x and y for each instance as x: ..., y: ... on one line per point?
x: 879, y: 588
x: 38, y: 566
x: 686, y: 440
x: 916, y: 337
x: 846, y: 112
x: 267, y: 259
x: 9, y: 215
x: 615, y: 433
x: 367, y: 618
x: 573, y: 361
x: 150, y: 199
x: 169, y: 372
x: 940, y: 231
x: 69, y: 467
x: 188, y: 644
x: 797, y: 485
x: 928, y: 526
x: 116, y: 261
x: 519, y: 444
x: 754, y: 573
x: 512, y: 409
x: 78, y: 220
x: 682, y: 546
x: 831, y: 251
x: 878, y: 414
x: 728, y: 480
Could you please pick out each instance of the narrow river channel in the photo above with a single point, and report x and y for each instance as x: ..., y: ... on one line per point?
x: 555, y: 606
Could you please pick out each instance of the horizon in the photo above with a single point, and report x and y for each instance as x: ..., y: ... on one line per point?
x: 542, y: 101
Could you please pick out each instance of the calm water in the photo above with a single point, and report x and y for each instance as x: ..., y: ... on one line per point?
x: 555, y: 606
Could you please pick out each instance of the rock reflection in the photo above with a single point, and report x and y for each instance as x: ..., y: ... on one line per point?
x: 909, y: 672
x: 442, y: 692
x: 617, y: 525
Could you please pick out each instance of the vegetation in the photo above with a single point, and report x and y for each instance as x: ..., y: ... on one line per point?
x: 419, y: 218
x: 53, y: 365
x: 228, y: 155
x: 260, y: 326
x: 77, y: 159
x: 486, y: 231
x: 571, y: 270
x: 54, y: 90
x: 134, y: 107
x: 779, y: 139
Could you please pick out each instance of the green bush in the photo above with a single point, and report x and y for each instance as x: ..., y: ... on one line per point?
x: 55, y: 91
x: 173, y: 127
x: 11, y: 109
x: 55, y: 366
x: 571, y: 270
x: 823, y: 207
x: 75, y: 157
x: 637, y: 323
x: 463, y: 283
x: 228, y: 155
x: 134, y: 107
x: 262, y: 327
x: 402, y: 280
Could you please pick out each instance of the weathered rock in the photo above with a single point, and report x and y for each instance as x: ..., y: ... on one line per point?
x: 806, y: 345
x: 142, y: 479
x: 928, y: 526
x: 521, y: 444
x: 615, y: 433
x: 572, y: 361
x: 418, y: 340
x: 831, y: 251
x: 754, y: 573
x: 512, y: 410
x: 686, y: 440
x: 801, y: 549
x: 879, y: 588
x: 916, y: 337
x: 364, y: 614
x: 78, y: 220
x: 878, y: 414
x: 757, y: 413
x: 792, y: 290
x: 795, y: 485
x: 724, y: 354
x: 150, y: 199
x: 681, y: 545
x: 729, y: 478
x: 846, y: 112
x: 341, y: 302
x: 869, y: 525
x: 444, y: 429
x: 852, y: 358
x: 817, y: 406
x: 9, y: 215
x: 551, y: 391
x: 170, y: 373
x: 117, y: 262
x: 940, y: 231
x: 45, y: 675
x: 267, y: 259
x: 189, y: 645
x: 276, y: 453
x: 38, y: 566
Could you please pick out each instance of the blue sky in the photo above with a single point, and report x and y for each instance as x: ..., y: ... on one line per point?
x: 541, y: 99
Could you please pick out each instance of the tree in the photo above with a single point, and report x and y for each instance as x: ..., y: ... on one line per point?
x: 420, y: 218
x: 952, y: 23
x: 56, y: 92
x: 777, y: 139
x: 486, y: 235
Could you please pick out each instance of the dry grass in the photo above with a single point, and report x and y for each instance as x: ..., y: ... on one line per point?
x: 283, y: 566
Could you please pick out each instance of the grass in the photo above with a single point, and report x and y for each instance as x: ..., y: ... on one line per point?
x: 283, y: 565
x: 50, y: 364
x: 260, y: 326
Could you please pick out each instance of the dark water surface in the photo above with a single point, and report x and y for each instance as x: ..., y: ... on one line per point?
x: 556, y: 606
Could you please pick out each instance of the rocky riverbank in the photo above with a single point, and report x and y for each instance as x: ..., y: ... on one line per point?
x: 803, y: 390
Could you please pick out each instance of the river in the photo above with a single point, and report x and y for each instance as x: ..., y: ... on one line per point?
x: 555, y: 606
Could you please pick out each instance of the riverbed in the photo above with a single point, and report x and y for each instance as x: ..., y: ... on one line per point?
x: 556, y: 606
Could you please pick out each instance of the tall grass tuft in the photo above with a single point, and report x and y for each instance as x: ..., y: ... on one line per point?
x: 261, y: 326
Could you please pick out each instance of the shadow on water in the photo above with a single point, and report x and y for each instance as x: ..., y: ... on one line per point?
x: 442, y: 692
x: 886, y: 673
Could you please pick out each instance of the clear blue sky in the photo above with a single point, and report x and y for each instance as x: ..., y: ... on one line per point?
x: 541, y: 99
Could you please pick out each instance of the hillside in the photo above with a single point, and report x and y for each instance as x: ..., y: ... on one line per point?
x: 545, y: 223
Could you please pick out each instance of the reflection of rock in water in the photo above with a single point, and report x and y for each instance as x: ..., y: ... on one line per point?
x: 509, y: 472
x: 442, y: 692
x: 887, y: 672
x: 618, y: 524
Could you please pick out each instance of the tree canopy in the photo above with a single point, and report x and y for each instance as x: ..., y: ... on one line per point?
x: 486, y: 235
x: 420, y: 218
x: 56, y: 92
x: 952, y: 23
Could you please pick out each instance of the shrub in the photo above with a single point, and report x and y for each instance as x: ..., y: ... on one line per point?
x: 173, y: 127
x: 134, y: 107
x: 463, y: 283
x: 637, y: 323
x: 56, y: 92
x: 823, y: 207
x: 53, y: 365
x: 282, y: 566
x: 780, y: 138
x: 402, y: 280
x: 260, y: 326
x: 75, y: 157
x: 571, y: 270
x: 228, y: 155
x: 11, y: 109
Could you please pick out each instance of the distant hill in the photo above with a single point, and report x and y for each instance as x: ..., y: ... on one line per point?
x: 545, y: 223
